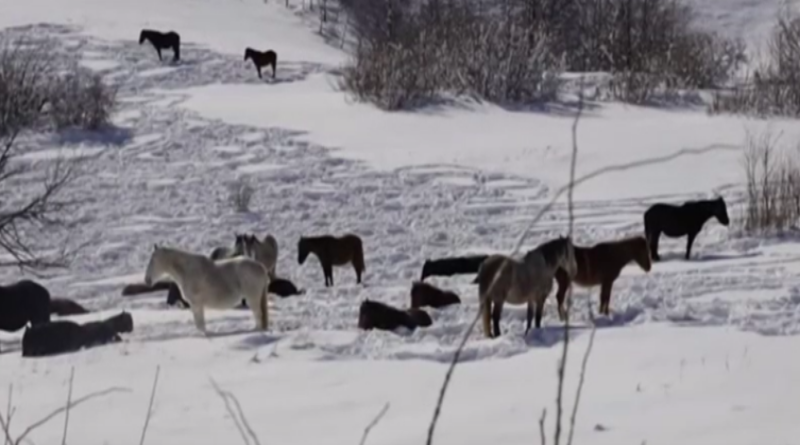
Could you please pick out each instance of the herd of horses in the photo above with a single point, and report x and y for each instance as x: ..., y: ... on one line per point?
x: 242, y: 275
x: 172, y: 40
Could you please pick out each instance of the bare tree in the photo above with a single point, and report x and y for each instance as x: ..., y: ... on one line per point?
x: 27, y: 92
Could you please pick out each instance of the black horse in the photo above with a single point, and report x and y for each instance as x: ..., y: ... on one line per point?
x: 683, y: 220
x: 260, y: 59
x: 424, y: 294
x: 62, y: 336
x: 162, y: 40
x: 452, y: 266
x: 377, y: 315
x: 23, y: 302
x: 65, y: 306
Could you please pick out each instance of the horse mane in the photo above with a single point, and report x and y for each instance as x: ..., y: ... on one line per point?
x: 551, y: 249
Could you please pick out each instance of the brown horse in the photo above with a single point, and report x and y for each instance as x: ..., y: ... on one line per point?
x: 333, y: 251
x: 601, y: 264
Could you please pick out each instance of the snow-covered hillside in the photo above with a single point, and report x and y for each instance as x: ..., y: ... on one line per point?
x: 697, y: 352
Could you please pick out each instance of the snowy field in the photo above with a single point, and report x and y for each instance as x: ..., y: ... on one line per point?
x: 697, y: 352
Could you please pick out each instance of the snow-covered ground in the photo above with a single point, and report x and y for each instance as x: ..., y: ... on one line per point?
x: 716, y: 333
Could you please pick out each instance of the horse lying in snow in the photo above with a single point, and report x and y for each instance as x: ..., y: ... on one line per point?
x: 424, y: 294
x: 65, y: 306
x: 58, y: 337
x: 377, y: 315
x: 452, y: 266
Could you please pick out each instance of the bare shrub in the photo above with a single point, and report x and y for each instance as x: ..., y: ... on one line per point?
x: 415, y: 56
x: 26, y: 69
x: 81, y: 99
x: 773, y: 185
x: 774, y: 89
x: 241, y: 193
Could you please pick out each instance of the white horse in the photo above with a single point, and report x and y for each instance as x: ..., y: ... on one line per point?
x: 265, y: 252
x: 502, y: 279
x: 217, y: 284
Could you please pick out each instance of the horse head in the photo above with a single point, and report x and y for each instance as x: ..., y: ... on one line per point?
x: 721, y: 211
x: 641, y: 253
x: 303, y: 249
x: 153, y: 266
x: 248, y: 53
x: 142, y: 37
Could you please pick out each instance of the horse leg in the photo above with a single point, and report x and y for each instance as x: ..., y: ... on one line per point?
x: 563, y: 284
x: 653, y: 241
x: 539, y: 309
x: 486, y: 308
x: 258, y: 68
x: 158, y: 50
x: 273, y: 70
x: 328, y: 268
x: 528, y: 317
x: 358, y: 274
x: 689, y: 241
x: 605, y: 297
x: 497, y: 312
x: 199, y: 317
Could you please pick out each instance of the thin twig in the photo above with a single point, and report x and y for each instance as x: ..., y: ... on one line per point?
x: 242, y: 417
x: 150, y: 405
x: 58, y: 411
x: 224, y: 398
x: 599, y: 172
x: 542, y: 438
x: 6, y: 424
x: 374, y: 422
x: 562, y: 367
x: 582, y: 377
x: 69, y: 400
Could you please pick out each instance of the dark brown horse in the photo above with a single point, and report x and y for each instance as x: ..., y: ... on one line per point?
x: 333, y: 251
x: 601, y: 265
x: 266, y: 58
x: 686, y: 220
x: 65, y: 306
x: 22, y: 303
x: 163, y: 40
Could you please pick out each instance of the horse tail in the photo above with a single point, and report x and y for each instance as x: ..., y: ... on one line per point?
x: 358, y: 255
x: 264, y: 306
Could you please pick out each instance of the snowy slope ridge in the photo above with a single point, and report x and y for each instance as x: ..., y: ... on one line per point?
x: 715, y: 331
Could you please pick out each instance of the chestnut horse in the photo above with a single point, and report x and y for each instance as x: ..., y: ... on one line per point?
x: 601, y: 264
x: 333, y: 251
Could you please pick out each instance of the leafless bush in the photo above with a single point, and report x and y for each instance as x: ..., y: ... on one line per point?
x: 241, y: 193
x: 81, y: 99
x: 26, y: 70
x: 415, y: 56
x: 774, y: 89
x: 773, y: 185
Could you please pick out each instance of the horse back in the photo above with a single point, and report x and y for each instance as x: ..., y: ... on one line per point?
x: 52, y: 338
x: 346, y: 249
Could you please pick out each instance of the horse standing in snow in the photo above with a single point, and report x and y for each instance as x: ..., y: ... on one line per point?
x: 62, y: 336
x: 265, y: 252
x: 260, y: 59
x: 452, y: 266
x: 23, y: 302
x: 601, y: 265
x: 223, y: 252
x: 219, y: 284
x: 162, y: 40
x: 333, y: 251
x: 377, y: 315
x: 502, y: 279
x: 683, y: 220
